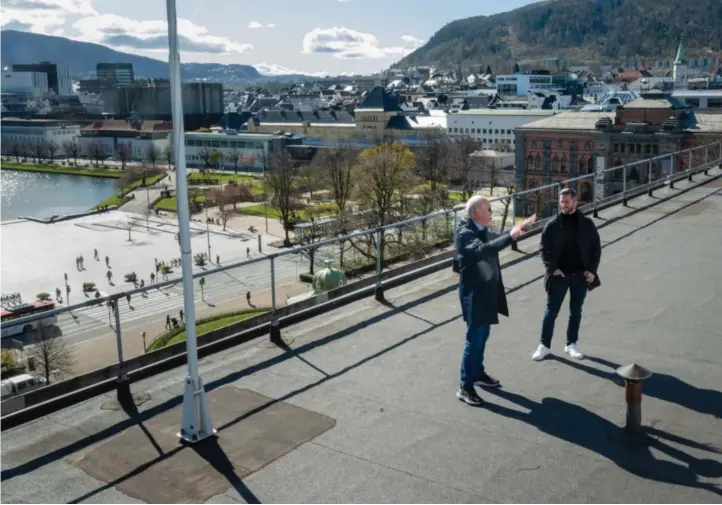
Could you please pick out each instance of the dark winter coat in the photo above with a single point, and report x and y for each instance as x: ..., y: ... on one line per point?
x: 590, y: 247
x: 481, y: 289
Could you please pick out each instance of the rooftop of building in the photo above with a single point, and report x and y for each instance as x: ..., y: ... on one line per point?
x: 507, y: 112
x: 232, y: 134
x: 330, y: 116
x: 571, y: 120
x: 360, y: 407
x: 378, y: 99
x: 110, y: 125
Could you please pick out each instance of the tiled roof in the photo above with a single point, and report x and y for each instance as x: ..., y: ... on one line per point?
x: 123, y: 125
x: 569, y: 121
x: 379, y: 99
x: 330, y: 116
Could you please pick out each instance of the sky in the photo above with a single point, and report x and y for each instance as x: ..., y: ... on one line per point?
x: 276, y: 36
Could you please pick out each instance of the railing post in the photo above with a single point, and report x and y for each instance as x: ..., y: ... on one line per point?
x: 649, y: 177
x: 624, y: 185
x: 123, y: 385
x: 689, y: 165
x: 379, y: 292
x: 671, y: 175
x: 595, y: 211
x: 275, y: 330
x: 706, y: 159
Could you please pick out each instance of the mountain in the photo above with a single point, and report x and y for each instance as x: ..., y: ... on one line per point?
x: 25, y: 47
x: 577, y: 31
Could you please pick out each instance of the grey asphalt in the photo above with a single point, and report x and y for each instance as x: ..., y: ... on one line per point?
x: 388, y: 374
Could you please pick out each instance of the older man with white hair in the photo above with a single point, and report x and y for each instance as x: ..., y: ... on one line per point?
x: 481, y: 290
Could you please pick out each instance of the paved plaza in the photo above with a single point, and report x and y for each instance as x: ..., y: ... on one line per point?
x: 361, y: 408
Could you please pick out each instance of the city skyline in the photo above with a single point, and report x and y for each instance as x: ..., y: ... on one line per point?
x: 326, y: 36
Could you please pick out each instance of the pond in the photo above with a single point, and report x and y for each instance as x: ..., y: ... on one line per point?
x: 38, y: 194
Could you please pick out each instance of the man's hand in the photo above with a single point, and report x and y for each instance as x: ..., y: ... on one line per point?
x: 589, y: 276
x: 519, y: 228
x: 558, y: 273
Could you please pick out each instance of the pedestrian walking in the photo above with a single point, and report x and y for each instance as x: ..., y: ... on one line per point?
x: 218, y: 259
x: 95, y: 255
x: 481, y: 290
x: 181, y: 315
x: 167, y: 322
x: 571, y: 251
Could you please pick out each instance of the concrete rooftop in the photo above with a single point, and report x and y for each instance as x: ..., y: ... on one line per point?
x: 370, y: 389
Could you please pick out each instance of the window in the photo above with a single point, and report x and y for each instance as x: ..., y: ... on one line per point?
x: 555, y: 164
x: 590, y: 165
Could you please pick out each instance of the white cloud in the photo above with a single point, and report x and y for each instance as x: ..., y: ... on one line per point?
x: 152, y: 35
x: 272, y: 69
x: 42, y: 16
x: 343, y: 1
x: 345, y: 43
x: 255, y: 24
x: 412, y: 41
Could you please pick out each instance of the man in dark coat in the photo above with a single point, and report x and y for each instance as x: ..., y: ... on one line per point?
x: 481, y: 290
x: 571, y: 251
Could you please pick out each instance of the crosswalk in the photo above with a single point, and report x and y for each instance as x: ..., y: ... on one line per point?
x: 158, y: 303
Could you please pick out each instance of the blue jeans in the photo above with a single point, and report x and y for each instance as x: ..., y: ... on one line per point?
x: 472, y: 361
x: 558, y: 287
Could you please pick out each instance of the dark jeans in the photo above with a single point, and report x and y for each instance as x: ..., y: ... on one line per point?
x: 558, y: 287
x: 472, y: 361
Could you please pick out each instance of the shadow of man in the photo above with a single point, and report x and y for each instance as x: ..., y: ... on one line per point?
x: 661, y: 386
x: 584, y: 428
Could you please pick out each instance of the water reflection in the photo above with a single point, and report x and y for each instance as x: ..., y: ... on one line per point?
x: 38, y: 194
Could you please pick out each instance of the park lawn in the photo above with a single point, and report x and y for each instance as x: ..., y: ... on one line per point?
x: 261, y: 210
x: 171, y: 204
x: 209, y: 326
x: 217, y: 178
x: 120, y: 197
x: 59, y: 169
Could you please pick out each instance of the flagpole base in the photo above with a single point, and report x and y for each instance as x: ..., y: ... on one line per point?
x: 196, y: 421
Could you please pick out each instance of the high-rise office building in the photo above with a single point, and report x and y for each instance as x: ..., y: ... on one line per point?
x: 121, y: 73
x: 59, y: 80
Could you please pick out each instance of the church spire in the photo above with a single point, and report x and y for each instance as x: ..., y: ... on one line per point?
x: 681, y: 58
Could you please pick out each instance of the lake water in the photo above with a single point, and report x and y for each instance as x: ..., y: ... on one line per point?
x: 38, y: 194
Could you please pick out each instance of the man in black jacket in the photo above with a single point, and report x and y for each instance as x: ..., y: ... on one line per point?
x: 571, y: 251
x: 481, y: 290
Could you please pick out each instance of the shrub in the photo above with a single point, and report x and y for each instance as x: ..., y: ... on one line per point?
x: 305, y: 277
x: 166, y: 269
x: 88, y: 286
x: 200, y: 261
x: 43, y: 296
x: 131, y: 277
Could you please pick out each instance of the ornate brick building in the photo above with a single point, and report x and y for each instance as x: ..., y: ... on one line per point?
x: 573, y: 144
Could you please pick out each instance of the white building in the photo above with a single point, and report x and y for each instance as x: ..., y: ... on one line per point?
x: 31, y: 83
x: 492, y: 126
x: 522, y: 84
x: 139, y: 136
x: 680, y: 70
x: 251, y: 150
x: 30, y: 131
x: 700, y: 98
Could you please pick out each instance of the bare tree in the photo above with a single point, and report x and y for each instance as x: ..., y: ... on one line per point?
x: 72, y: 150
x: 309, y: 180
x: 281, y: 181
x: 96, y: 152
x: 38, y: 149
x: 152, y: 154
x: 310, y: 233
x: 52, y: 149
x: 234, y: 156
x: 385, y: 176
x: 15, y: 149
x: 205, y: 154
x: 168, y: 155
x: 464, y: 164
x: 336, y: 165
x: 50, y: 353
x: 123, y: 154
x: 129, y: 224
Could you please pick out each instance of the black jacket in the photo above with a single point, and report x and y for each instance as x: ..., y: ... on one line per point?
x: 481, y: 288
x: 590, y: 246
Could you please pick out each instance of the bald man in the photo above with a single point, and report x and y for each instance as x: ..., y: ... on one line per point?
x: 481, y: 290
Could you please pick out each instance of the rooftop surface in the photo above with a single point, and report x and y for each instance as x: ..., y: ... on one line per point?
x: 360, y: 406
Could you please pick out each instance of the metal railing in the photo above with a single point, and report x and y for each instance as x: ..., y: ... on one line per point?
x: 113, y: 328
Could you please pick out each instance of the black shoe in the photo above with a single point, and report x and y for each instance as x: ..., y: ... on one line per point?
x: 487, y: 381
x: 469, y: 396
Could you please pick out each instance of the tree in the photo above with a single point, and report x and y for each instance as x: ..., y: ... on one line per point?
x: 38, y: 149
x: 280, y: 180
x: 488, y: 70
x: 129, y: 224
x: 517, y: 69
x: 309, y: 180
x: 72, y: 150
x: 234, y: 157
x: 152, y: 154
x: 168, y: 155
x: 50, y: 353
x: 52, y: 149
x: 216, y: 159
x: 15, y: 149
x: 96, y: 152
x: 123, y: 154
x: 225, y: 215
x: 465, y: 165
x: 205, y: 154
x: 248, y: 160
x: 385, y: 176
x: 308, y: 234
x: 432, y: 165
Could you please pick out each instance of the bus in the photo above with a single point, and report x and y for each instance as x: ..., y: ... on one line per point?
x: 9, y: 313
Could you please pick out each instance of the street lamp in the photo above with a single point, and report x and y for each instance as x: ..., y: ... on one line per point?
x: 196, y: 421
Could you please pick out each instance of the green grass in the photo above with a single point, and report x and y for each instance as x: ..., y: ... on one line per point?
x: 59, y: 169
x: 121, y: 196
x: 171, y: 204
x: 211, y: 178
x: 204, y: 326
x: 261, y: 210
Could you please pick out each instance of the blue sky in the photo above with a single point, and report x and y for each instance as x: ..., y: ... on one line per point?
x: 315, y: 36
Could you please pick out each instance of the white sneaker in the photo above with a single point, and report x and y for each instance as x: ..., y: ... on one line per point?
x: 541, y: 352
x: 572, y: 351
